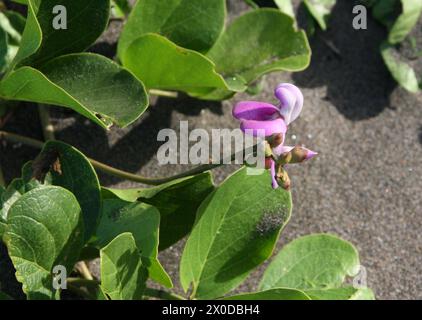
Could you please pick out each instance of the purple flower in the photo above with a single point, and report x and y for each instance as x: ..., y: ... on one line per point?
x: 273, y: 120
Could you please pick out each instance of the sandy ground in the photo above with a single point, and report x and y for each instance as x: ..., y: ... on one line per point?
x: 365, y: 186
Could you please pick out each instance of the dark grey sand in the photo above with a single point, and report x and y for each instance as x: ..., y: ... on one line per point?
x: 365, y: 186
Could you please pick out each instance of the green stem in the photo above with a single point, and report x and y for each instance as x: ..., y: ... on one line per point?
x: 161, y: 294
x: 47, y: 127
x: 162, y: 93
x: 120, y: 173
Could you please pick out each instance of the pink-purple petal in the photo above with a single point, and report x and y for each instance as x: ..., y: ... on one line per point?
x: 268, y: 127
x: 254, y: 110
x: 279, y: 150
x: 291, y: 101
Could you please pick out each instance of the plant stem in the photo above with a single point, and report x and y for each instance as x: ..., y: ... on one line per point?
x: 161, y: 294
x: 120, y: 173
x: 162, y: 93
x: 47, y: 127
x: 84, y: 271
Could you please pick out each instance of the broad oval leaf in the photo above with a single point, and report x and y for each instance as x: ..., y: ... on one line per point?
x: 259, y: 42
x: 192, y: 24
x: 44, y: 229
x: 161, y: 64
x: 90, y: 84
x: 143, y: 222
x: 72, y: 171
x: 312, y: 262
x: 177, y: 202
x: 272, y: 294
x: 236, y: 230
x: 122, y: 275
x: 343, y: 293
x: 86, y: 21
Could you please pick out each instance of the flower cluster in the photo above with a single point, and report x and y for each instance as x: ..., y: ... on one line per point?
x: 273, y: 120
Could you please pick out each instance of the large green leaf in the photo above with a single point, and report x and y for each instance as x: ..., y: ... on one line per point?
x: 276, y: 46
x: 260, y: 41
x: 272, y: 294
x: 143, y: 222
x: 315, y: 261
x: 317, y: 265
x: 177, y: 202
x: 90, y: 84
x: 86, y: 21
x: 161, y: 64
x: 320, y: 10
x: 76, y: 174
x: 44, y: 229
x: 236, y: 230
x: 192, y: 24
x: 16, y: 189
x: 401, y: 71
x: 411, y: 12
x: 344, y: 293
x: 122, y: 275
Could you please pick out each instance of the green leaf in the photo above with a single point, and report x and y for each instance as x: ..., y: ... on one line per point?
x: 31, y: 37
x: 286, y: 7
x: 236, y: 229
x: 44, y: 229
x: 90, y: 84
x: 122, y: 274
x: 143, y: 222
x: 385, y: 11
x: 121, y: 8
x: 9, y: 39
x: 401, y: 71
x: 192, y: 24
x: 2, y: 229
x: 312, y: 262
x: 409, y: 17
x: 177, y: 202
x: 86, y: 21
x: 9, y: 196
x: 344, y: 293
x: 277, y: 47
x: 272, y: 294
x: 320, y: 10
x: 75, y: 174
x: 161, y: 64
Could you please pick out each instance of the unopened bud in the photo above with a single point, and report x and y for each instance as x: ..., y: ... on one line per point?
x: 283, y: 178
x: 275, y: 140
x: 298, y: 155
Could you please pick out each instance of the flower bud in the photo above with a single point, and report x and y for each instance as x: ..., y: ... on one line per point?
x: 276, y: 140
x: 283, y: 178
x: 298, y: 155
